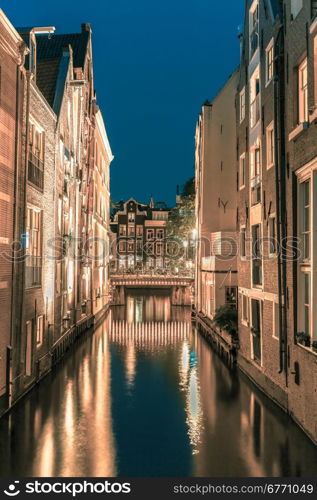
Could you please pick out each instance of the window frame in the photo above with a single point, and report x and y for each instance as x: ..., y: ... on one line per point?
x: 269, y: 138
x: 303, y: 102
x: 269, y: 64
x: 272, y: 218
x: 242, y: 104
x: 242, y: 161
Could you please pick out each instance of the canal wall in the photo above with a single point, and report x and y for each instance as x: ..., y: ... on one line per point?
x: 228, y: 350
x: 221, y: 342
x: 51, y: 358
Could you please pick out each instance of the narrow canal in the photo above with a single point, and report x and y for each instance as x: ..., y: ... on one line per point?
x: 146, y: 396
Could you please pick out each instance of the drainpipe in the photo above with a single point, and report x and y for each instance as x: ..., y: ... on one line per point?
x: 279, y: 147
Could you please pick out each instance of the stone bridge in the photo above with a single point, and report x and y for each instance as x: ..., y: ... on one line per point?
x: 181, y: 287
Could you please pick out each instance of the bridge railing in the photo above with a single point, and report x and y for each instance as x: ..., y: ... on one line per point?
x: 155, y: 273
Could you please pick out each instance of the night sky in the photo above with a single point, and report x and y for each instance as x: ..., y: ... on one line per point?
x: 155, y: 63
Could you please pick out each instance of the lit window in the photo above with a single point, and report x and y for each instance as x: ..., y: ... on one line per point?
x: 33, y: 272
x: 307, y: 303
x: 269, y: 62
x: 255, y: 98
x: 39, y: 329
x: 122, y: 230
x: 231, y: 296
x: 306, y: 223
x: 160, y: 234
x: 150, y: 234
x: 131, y: 217
x: 242, y: 171
x: 303, y: 92
x: 256, y: 255
x: 270, y: 150
x: 242, y: 105
x: 122, y: 246
x: 36, y: 156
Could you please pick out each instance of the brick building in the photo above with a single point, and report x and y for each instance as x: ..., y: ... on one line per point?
x: 140, y: 231
x: 259, y: 164
x: 300, y: 29
x: 54, y: 163
x: 12, y: 84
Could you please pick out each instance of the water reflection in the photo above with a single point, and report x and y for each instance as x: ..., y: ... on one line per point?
x: 145, y: 395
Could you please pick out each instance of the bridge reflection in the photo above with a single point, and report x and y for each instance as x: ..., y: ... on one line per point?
x: 149, y: 334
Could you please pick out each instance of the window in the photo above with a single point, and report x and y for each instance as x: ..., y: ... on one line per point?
x: 122, y: 246
x: 160, y: 234
x: 159, y: 248
x: 306, y: 223
x: 256, y: 330
x: 269, y: 62
x: 296, y: 7
x: 149, y: 249
x: 28, y: 348
x: 256, y: 255
x: 276, y: 320
x: 242, y: 105
x: 270, y: 149
x: 243, y: 248
x: 130, y: 246
x: 272, y: 236
x: 33, y: 270
x: 255, y: 171
x: 139, y: 230
x: 122, y: 230
x: 150, y: 234
x: 254, y: 29
x: 231, y: 296
x: 39, y: 330
x: 131, y: 231
x: 131, y: 217
x: 242, y: 171
x: 245, y: 310
x: 303, y: 92
x: 36, y: 156
x: 255, y: 98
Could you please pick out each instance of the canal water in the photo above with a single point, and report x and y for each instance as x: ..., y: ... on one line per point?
x: 145, y: 395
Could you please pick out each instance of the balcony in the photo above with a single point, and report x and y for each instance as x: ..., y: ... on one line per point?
x: 33, y: 271
x: 255, y: 190
x: 36, y: 171
x: 255, y: 111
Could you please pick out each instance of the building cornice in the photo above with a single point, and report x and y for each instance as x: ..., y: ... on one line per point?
x: 17, y: 48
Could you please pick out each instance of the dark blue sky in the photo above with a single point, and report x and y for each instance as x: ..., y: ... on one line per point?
x: 155, y: 63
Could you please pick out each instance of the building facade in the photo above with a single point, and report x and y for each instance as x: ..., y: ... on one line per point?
x: 54, y: 160
x: 12, y: 87
x: 101, y: 218
x: 300, y: 28
x: 216, y: 202
x: 140, y: 230
x: 260, y: 166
